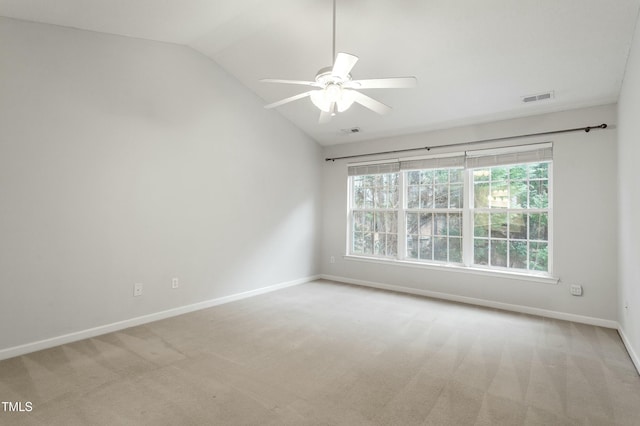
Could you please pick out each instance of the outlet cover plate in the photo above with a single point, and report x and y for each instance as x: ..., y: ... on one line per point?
x: 137, y: 289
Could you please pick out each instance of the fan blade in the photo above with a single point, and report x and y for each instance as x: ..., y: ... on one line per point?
x: 370, y: 103
x: 302, y: 82
x: 383, y: 83
x: 343, y: 64
x: 291, y: 99
x: 325, y: 117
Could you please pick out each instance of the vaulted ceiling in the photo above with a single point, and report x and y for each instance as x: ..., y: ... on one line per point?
x: 474, y: 60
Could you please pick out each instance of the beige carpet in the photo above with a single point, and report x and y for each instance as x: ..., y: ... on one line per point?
x: 332, y: 354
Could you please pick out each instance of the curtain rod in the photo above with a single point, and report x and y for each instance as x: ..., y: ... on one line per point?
x: 429, y: 148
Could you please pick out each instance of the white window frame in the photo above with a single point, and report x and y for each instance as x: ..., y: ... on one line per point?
x: 471, y: 209
x: 350, y: 223
x: 467, y: 265
x: 434, y: 211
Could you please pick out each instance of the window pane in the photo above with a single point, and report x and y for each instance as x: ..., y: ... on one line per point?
x: 481, y: 175
x: 518, y: 226
x: 358, y: 198
x: 392, y: 245
x: 455, y: 224
x: 358, y: 242
x: 538, y: 257
x: 393, y: 197
x: 358, y: 221
x: 499, y: 173
x: 413, y: 197
x: 455, y: 197
x: 379, y: 244
x: 440, y: 248
x: 368, y: 243
x: 368, y: 198
x: 426, y: 177
x: 368, y: 222
x: 413, y: 178
x: 480, y: 252
x: 455, y: 175
x: 481, y: 225
x: 442, y: 176
x: 412, y: 223
x: 499, y: 225
x: 539, y: 171
x: 538, y: 229
x: 499, y: 195
x: 455, y: 250
x: 426, y: 197
x: 518, y: 172
x: 425, y: 248
x: 538, y: 194
x: 442, y: 196
x: 379, y: 198
x: 518, y: 254
x: 412, y: 246
x: 498, y: 253
x: 518, y: 192
x: 481, y: 195
x: 380, y: 222
x: 440, y: 224
x: 391, y: 222
x: 426, y: 224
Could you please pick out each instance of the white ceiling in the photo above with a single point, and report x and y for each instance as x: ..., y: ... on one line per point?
x: 473, y: 59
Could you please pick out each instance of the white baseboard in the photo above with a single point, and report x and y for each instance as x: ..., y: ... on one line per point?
x: 480, y: 302
x: 627, y: 344
x: 108, y: 328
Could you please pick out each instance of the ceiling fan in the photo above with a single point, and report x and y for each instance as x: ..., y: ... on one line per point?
x: 334, y: 89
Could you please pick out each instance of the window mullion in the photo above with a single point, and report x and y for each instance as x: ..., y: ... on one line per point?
x: 350, y: 210
x: 550, y: 218
x: 402, y: 217
x: 467, y: 219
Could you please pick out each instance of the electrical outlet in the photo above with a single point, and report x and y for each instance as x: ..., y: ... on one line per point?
x: 137, y: 289
x: 174, y: 283
x: 332, y: 259
x: 576, y: 290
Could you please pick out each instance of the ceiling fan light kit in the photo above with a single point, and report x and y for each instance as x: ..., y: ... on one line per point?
x: 336, y: 91
x: 332, y: 98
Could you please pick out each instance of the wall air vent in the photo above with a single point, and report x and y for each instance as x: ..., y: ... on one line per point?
x: 539, y: 97
x: 351, y: 130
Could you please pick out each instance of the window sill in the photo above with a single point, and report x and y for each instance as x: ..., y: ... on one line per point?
x: 544, y: 279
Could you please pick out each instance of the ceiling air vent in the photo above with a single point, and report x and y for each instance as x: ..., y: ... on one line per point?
x: 351, y: 130
x: 539, y: 97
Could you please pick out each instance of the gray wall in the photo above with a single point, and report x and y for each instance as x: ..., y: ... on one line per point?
x: 124, y: 160
x: 629, y: 180
x: 584, y: 230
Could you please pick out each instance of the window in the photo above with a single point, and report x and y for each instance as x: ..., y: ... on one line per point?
x: 434, y: 214
x: 487, y: 209
x: 375, y: 215
x: 511, y: 216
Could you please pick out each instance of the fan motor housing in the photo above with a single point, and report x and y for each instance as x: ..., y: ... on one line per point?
x: 324, y: 77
